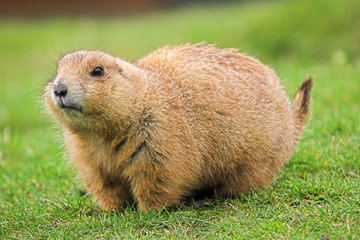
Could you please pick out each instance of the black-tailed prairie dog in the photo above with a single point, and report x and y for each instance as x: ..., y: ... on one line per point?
x: 179, y: 121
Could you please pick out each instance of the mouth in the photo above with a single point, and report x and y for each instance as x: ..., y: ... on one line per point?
x: 66, y: 106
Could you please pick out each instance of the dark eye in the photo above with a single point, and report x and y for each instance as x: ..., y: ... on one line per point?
x: 97, y: 72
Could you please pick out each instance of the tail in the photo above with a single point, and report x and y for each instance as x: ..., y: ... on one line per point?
x: 301, y: 106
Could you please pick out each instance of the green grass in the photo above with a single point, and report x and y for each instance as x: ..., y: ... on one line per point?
x: 317, y: 196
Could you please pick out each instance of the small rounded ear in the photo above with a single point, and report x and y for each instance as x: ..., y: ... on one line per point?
x: 118, y: 68
x: 128, y: 70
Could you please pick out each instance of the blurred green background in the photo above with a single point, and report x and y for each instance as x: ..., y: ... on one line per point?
x: 296, y: 38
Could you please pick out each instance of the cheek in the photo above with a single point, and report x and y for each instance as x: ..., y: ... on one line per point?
x: 94, y: 97
x: 76, y: 94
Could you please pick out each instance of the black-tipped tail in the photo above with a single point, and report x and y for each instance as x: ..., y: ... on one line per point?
x: 301, y: 106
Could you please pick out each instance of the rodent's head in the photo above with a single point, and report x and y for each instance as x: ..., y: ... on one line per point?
x: 91, y: 89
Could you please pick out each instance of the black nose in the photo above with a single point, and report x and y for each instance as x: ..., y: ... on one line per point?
x: 60, y: 90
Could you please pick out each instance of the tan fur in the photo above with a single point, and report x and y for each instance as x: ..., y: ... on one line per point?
x: 178, y: 121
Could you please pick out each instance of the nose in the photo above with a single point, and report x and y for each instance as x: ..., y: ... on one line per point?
x: 60, y: 90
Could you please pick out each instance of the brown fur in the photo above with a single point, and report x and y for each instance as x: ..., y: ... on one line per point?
x: 178, y: 121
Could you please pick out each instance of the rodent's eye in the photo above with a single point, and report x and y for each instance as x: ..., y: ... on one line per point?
x: 97, y: 72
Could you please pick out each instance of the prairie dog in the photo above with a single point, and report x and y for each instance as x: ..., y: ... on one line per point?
x: 178, y: 121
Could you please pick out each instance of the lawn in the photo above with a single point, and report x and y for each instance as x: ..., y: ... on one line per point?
x: 317, y: 194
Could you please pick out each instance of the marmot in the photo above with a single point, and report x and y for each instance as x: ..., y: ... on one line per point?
x: 179, y: 121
